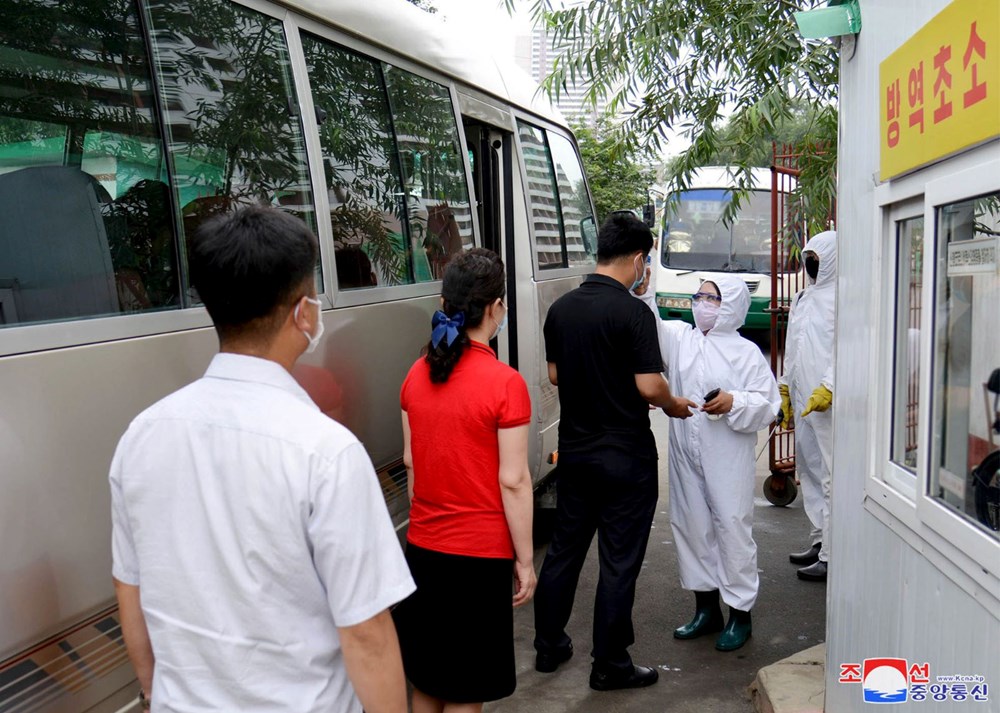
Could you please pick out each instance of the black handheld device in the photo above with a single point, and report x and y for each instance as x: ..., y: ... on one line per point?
x: 711, y: 395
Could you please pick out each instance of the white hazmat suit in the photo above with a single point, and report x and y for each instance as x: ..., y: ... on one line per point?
x: 712, y: 462
x: 809, y: 364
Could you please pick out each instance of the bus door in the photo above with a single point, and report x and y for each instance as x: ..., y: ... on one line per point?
x: 490, y: 155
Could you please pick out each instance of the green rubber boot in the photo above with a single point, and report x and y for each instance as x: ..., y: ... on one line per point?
x: 737, y: 631
x: 707, y: 617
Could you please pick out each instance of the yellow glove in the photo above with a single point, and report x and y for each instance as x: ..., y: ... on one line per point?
x: 786, y: 406
x: 820, y: 400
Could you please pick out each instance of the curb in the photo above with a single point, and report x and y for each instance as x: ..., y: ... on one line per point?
x: 793, y: 685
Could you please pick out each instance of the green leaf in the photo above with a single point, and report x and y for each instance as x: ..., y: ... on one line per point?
x: 679, y: 65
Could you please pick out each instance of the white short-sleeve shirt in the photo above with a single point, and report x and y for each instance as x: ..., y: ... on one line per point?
x: 254, y: 526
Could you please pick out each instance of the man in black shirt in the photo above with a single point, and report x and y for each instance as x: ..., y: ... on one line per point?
x: 603, y: 353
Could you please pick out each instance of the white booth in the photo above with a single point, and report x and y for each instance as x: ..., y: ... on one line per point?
x: 914, y: 589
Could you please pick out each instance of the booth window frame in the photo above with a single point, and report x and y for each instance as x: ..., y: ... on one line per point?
x: 958, y: 547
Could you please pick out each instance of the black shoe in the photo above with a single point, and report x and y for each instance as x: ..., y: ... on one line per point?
x: 549, y: 662
x: 737, y: 631
x: 815, y: 572
x: 640, y: 677
x: 707, y: 617
x: 808, y: 557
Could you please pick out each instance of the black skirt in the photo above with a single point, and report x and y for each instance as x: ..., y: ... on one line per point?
x: 456, y: 631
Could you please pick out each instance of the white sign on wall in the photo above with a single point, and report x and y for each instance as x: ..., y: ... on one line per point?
x: 973, y: 257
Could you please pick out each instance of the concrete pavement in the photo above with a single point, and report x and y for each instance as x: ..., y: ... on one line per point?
x: 694, y: 678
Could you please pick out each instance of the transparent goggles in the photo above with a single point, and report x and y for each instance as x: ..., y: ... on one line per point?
x: 706, y: 297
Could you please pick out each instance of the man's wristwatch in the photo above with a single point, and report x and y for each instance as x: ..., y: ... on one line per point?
x: 143, y: 701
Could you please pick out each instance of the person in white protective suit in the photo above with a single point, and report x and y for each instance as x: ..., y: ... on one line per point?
x: 807, y: 395
x: 711, y: 456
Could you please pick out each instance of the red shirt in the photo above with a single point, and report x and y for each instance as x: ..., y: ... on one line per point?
x: 457, y: 507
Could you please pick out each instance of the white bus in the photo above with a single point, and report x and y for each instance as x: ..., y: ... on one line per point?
x: 695, y: 243
x: 123, y: 124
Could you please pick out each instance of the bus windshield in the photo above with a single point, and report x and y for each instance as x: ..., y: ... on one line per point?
x: 695, y: 238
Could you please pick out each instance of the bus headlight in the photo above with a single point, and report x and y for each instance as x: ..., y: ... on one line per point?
x: 673, y: 302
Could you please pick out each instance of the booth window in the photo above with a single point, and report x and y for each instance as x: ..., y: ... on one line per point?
x: 967, y: 351
x: 909, y: 268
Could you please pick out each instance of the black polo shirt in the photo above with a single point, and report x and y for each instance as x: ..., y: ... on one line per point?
x: 599, y: 337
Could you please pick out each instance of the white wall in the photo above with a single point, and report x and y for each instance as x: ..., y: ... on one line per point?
x: 893, y: 590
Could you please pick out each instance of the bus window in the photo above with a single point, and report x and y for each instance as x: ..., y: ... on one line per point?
x: 437, y: 194
x: 363, y: 180
x: 231, y: 109
x: 574, y: 200
x: 26, y: 143
x: 543, y: 197
x: 85, y: 228
x: 565, y: 233
x: 696, y: 238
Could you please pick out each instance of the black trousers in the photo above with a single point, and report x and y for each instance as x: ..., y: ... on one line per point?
x: 612, y: 493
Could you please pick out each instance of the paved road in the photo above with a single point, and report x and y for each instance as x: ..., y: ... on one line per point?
x: 694, y: 678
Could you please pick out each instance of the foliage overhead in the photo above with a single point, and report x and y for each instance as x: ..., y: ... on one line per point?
x: 683, y: 65
x: 733, y: 150
x: 618, y: 180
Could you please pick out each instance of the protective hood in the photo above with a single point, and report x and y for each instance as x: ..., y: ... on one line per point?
x: 825, y: 246
x: 735, y: 304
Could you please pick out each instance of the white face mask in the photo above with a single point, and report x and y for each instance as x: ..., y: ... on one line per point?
x: 640, y: 275
x: 705, y: 314
x: 502, y: 324
x: 315, y: 337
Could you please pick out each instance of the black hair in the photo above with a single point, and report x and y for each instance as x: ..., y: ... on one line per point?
x: 473, y: 280
x: 247, y: 265
x: 622, y: 234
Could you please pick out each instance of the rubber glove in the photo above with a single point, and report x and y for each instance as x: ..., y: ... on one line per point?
x: 820, y: 400
x: 786, y: 406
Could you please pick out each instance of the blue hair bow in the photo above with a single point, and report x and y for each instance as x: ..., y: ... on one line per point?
x: 443, y: 326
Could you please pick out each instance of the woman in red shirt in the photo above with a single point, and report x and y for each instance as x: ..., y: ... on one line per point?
x: 465, y: 431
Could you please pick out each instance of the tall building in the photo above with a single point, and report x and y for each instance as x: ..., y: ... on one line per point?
x: 535, y: 54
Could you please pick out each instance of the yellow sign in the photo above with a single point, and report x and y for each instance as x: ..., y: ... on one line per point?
x: 941, y: 89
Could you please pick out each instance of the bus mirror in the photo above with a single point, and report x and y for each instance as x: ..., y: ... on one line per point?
x: 649, y: 215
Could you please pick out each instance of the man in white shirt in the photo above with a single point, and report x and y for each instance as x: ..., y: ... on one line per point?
x: 254, y: 558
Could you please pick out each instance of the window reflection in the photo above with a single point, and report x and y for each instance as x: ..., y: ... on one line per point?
x: 436, y: 191
x: 909, y: 283
x: 231, y: 109
x: 81, y: 166
x: 542, y: 196
x: 967, y: 351
x: 574, y: 201
x: 362, y: 169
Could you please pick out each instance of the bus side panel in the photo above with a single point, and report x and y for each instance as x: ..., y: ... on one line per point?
x: 63, y: 412
x: 546, y: 398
